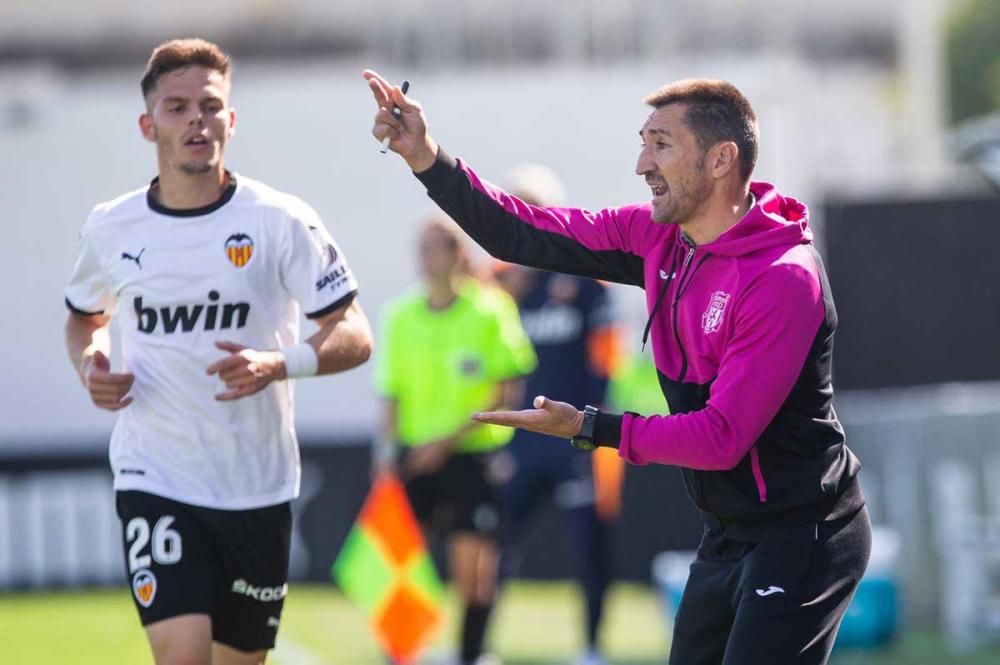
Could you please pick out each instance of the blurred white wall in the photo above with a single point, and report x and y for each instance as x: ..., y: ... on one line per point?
x: 305, y: 129
x: 770, y: 20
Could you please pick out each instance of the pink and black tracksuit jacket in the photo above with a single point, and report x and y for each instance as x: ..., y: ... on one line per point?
x: 742, y: 333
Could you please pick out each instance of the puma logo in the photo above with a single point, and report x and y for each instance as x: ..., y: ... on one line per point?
x: 137, y: 258
x: 769, y: 591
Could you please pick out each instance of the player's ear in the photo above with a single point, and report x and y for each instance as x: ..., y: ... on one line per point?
x: 232, y: 122
x: 147, y: 127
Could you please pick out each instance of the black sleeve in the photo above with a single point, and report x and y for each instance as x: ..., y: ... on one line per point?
x: 522, y: 238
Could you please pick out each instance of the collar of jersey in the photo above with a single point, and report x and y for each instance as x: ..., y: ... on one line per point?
x: 156, y: 206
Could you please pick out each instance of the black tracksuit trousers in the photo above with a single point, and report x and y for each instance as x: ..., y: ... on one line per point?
x: 775, y: 602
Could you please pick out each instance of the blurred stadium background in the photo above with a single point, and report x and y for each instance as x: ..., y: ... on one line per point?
x: 883, y: 117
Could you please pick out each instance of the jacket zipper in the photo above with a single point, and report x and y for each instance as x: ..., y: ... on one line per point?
x: 702, y: 500
x: 677, y: 298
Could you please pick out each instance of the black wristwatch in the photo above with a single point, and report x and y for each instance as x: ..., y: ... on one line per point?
x: 585, y: 439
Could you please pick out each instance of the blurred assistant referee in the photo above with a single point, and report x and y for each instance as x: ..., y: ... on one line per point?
x: 742, y: 321
x: 447, y: 350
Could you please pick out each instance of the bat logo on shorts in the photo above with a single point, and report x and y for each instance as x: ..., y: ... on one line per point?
x: 144, y: 587
x: 239, y: 249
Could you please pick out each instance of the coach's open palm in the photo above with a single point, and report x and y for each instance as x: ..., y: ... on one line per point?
x: 407, y: 131
x: 548, y: 417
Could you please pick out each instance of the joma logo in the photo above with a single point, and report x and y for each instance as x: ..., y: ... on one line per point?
x: 186, y: 318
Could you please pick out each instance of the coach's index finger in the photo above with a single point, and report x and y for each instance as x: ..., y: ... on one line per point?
x: 519, y: 419
x: 379, y: 87
x: 387, y: 95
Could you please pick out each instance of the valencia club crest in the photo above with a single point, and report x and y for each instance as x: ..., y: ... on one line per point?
x: 239, y: 249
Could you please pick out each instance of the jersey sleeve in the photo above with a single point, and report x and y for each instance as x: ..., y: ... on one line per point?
x: 89, y: 292
x: 607, y: 244
x: 313, y: 269
x: 511, y: 354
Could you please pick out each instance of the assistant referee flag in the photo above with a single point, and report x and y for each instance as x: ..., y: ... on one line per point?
x: 384, y: 567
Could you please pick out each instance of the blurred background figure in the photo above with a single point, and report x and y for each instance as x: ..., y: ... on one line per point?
x: 448, y: 349
x: 570, y: 322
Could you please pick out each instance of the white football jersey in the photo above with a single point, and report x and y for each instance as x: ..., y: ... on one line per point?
x: 240, y: 270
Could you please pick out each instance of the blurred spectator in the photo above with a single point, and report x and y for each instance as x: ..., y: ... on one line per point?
x: 569, y: 320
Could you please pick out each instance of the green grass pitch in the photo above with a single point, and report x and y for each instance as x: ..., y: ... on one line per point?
x: 536, y: 624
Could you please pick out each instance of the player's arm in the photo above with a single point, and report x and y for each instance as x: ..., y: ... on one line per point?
x: 592, y: 244
x: 343, y: 341
x: 91, y: 303
x: 88, y: 342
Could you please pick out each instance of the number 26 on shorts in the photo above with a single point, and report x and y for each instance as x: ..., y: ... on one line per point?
x: 166, y: 546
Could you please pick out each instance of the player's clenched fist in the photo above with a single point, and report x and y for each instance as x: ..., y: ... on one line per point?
x: 246, y: 371
x: 108, y: 390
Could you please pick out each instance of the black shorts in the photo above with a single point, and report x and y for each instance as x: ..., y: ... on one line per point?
x: 229, y: 564
x: 460, y: 496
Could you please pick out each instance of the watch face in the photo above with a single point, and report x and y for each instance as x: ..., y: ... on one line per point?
x: 582, y: 444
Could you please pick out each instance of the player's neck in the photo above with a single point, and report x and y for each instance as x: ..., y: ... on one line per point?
x: 719, y: 214
x: 441, y: 293
x: 183, y: 191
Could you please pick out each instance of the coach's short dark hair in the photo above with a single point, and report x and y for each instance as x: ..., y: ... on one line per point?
x: 716, y: 111
x: 180, y: 54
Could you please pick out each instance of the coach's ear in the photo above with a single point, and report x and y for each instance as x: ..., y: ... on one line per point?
x: 147, y: 127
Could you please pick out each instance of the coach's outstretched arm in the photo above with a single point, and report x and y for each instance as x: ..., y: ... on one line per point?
x: 580, y: 242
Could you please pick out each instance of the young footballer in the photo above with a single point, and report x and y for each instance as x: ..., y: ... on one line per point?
x: 207, y: 272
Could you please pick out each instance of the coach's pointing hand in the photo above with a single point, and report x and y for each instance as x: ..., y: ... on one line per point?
x: 246, y: 371
x: 408, y: 132
x: 548, y: 417
x: 107, y: 389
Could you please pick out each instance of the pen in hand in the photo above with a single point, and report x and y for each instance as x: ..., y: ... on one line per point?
x: 395, y: 111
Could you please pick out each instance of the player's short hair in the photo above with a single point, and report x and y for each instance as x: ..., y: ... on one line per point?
x: 716, y: 111
x: 181, y: 54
